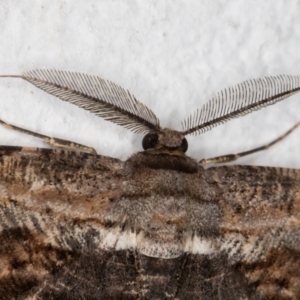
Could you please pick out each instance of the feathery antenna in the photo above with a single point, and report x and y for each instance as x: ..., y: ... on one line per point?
x: 240, y: 100
x: 113, y: 103
x: 101, y: 97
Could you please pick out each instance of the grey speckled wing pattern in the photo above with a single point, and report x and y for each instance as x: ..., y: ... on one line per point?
x: 76, y: 225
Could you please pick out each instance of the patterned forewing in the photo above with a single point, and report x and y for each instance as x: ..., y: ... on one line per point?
x: 52, y: 205
x: 261, y: 226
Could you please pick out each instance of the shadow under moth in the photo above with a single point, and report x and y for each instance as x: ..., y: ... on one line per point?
x: 77, y: 225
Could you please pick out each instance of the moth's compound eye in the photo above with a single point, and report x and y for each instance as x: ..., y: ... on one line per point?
x: 184, y: 145
x: 150, y: 140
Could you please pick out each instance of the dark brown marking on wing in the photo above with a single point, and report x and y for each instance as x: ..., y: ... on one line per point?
x: 261, y: 218
x: 112, y: 275
x: 277, y: 274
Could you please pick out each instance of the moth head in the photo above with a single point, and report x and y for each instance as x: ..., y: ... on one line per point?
x: 165, y: 141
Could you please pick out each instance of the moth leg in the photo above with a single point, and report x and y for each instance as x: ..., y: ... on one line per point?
x: 233, y: 157
x: 55, y: 142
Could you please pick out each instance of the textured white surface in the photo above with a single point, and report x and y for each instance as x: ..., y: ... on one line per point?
x: 173, y: 55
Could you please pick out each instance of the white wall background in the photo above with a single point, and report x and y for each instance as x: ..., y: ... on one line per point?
x: 172, y: 55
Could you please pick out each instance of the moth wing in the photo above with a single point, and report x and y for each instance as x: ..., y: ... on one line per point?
x: 260, y: 228
x: 52, y: 208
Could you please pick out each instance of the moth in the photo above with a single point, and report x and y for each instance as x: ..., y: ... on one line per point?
x: 77, y: 225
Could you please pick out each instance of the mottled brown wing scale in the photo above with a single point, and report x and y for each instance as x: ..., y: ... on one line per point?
x: 80, y: 226
x: 261, y: 226
x: 46, y: 195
